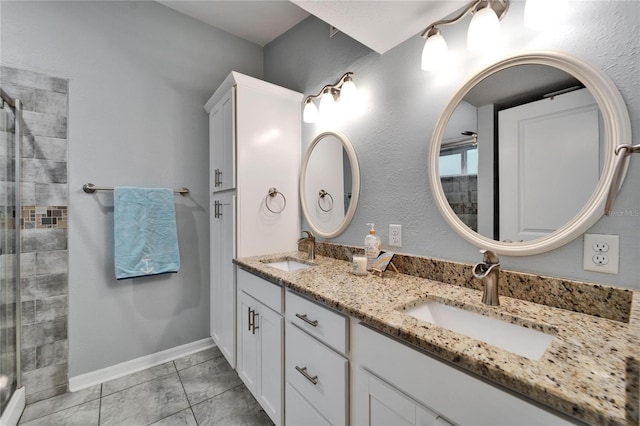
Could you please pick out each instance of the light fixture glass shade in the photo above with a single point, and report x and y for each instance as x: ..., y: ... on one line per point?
x: 348, y: 92
x: 327, y: 104
x: 434, y: 53
x: 484, y: 30
x: 310, y: 112
x: 544, y: 13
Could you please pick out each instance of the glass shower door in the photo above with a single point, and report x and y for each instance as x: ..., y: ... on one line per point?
x: 8, y: 261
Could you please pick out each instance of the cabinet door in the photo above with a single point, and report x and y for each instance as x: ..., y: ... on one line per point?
x: 247, y: 341
x: 270, y: 362
x: 222, y: 144
x: 389, y: 406
x: 223, y: 283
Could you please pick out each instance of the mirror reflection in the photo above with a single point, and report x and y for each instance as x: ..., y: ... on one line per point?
x: 330, y: 183
x: 522, y: 153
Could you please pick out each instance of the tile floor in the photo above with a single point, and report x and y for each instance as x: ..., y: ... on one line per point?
x: 199, y: 389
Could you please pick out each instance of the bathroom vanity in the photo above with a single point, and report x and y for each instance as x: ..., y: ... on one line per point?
x: 353, y: 356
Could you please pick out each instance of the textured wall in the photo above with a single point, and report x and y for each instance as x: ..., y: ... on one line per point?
x: 139, y: 74
x: 404, y: 103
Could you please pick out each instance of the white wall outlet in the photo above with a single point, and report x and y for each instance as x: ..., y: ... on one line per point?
x: 395, y: 235
x: 601, y: 253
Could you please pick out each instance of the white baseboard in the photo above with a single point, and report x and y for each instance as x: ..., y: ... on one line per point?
x: 86, y: 380
x: 14, y: 409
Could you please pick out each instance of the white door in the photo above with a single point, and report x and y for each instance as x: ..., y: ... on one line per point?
x: 223, y: 281
x: 247, y: 341
x: 549, y: 163
x: 270, y: 359
x: 222, y: 144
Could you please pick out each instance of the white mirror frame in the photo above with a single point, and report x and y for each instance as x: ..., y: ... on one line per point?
x: 617, y: 130
x: 355, y: 184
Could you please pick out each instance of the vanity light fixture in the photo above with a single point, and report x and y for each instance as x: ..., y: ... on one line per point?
x: 483, y: 33
x: 341, y: 93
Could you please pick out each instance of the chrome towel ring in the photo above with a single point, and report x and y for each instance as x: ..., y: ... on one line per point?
x: 322, y: 194
x: 272, y: 193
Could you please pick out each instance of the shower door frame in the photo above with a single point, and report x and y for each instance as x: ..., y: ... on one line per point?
x: 16, y: 105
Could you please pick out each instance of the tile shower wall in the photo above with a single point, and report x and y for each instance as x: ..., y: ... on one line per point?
x: 462, y: 194
x: 44, y: 264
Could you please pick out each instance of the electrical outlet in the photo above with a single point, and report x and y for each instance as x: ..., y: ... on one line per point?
x: 601, y: 253
x: 395, y: 235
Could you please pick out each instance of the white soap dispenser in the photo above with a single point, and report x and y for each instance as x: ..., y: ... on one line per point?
x: 372, y: 245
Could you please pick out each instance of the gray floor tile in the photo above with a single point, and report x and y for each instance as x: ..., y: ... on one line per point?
x: 59, y: 403
x: 182, y: 418
x: 80, y: 415
x: 125, y: 382
x: 234, y: 407
x: 208, y: 379
x: 197, y: 358
x: 144, y: 403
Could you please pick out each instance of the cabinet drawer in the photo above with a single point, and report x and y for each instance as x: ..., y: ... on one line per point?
x: 322, y: 323
x: 260, y: 289
x: 317, y: 373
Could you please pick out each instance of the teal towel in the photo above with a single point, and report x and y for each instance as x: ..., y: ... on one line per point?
x: 145, y: 235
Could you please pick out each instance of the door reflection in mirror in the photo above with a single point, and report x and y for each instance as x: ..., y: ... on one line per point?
x: 536, y: 159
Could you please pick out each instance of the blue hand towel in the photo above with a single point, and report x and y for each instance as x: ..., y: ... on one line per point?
x: 145, y: 235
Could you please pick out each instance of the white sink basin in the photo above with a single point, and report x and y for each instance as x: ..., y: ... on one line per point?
x: 288, y: 265
x: 514, y: 338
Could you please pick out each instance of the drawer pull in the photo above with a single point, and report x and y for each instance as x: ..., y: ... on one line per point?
x: 304, y: 318
x: 303, y: 371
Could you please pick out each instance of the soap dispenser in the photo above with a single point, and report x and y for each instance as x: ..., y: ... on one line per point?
x: 372, y: 246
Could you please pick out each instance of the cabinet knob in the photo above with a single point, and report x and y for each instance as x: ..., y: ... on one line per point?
x: 313, y: 323
x: 303, y: 371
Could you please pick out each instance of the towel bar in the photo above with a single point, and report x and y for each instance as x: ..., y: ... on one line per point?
x: 90, y: 188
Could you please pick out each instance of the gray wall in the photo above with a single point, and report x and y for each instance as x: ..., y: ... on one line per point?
x: 404, y: 103
x: 138, y: 74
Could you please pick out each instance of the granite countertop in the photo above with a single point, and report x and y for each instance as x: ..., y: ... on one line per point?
x: 590, y: 371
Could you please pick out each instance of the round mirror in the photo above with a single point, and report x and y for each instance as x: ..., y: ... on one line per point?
x: 522, y: 157
x: 329, y: 184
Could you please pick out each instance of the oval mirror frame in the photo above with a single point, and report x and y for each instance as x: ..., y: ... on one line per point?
x: 617, y: 131
x: 355, y: 184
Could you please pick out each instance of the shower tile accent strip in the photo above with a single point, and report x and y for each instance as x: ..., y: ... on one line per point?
x: 44, y: 259
x: 587, y: 298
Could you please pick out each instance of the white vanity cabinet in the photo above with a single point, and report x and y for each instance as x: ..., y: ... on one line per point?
x: 254, y: 145
x: 316, y: 366
x: 260, y: 341
x: 396, y: 384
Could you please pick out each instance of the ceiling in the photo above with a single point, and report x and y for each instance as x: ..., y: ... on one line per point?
x: 379, y: 24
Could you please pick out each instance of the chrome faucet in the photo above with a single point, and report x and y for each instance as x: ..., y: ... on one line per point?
x: 489, y: 272
x: 310, y: 242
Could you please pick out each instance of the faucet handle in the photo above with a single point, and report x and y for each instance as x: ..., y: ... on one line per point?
x: 489, y: 257
x: 309, y: 234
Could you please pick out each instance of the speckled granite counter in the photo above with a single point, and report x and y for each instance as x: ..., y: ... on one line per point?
x: 590, y: 370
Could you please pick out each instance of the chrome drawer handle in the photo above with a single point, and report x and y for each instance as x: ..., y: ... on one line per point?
x: 306, y: 375
x: 304, y: 318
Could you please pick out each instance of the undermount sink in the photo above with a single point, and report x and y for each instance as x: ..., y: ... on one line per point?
x: 288, y: 264
x: 511, y: 337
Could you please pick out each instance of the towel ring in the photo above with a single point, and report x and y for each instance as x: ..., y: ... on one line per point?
x: 271, y: 194
x: 322, y: 194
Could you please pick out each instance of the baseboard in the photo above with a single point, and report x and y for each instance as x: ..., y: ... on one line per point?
x: 86, y: 380
x: 14, y: 409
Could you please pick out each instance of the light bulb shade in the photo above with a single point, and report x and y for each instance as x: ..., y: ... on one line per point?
x: 544, y: 13
x: 327, y: 104
x: 484, y: 30
x: 310, y: 112
x: 348, y: 92
x: 434, y: 53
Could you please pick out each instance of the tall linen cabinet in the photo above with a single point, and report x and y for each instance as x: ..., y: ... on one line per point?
x: 254, y: 148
